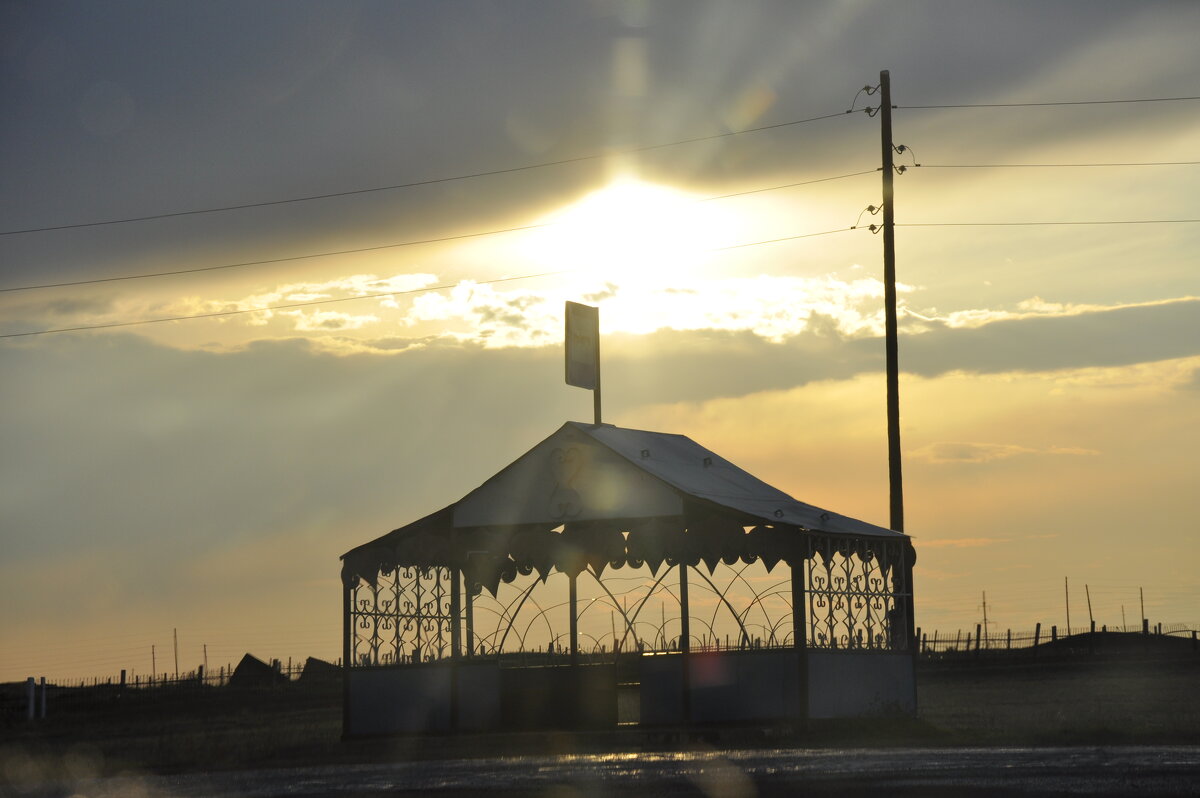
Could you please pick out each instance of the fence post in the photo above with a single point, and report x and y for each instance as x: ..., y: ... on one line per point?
x: 1008, y: 640
x: 1145, y: 626
x: 978, y: 632
x: 1037, y: 636
x: 43, y: 714
x: 29, y: 698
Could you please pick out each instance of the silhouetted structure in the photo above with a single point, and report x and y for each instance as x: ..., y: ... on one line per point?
x: 425, y: 648
x: 318, y: 670
x: 253, y: 672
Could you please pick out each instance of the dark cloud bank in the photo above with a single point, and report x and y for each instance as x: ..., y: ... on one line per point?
x: 112, y: 440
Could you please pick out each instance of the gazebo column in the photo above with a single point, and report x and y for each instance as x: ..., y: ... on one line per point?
x: 908, y: 558
x: 347, y: 650
x: 800, y: 633
x: 573, y: 600
x: 685, y: 642
x: 455, y: 612
x: 470, y: 621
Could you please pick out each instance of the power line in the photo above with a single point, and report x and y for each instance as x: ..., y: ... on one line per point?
x: 789, y: 185
x: 426, y: 289
x: 1040, y: 224
x: 266, y: 261
x: 785, y: 238
x: 428, y: 182
x: 1044, y: 104
x: 1045, y: 165
x: 397, y: 245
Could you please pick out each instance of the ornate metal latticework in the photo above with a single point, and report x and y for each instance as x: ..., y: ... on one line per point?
x: 404, y: 617
x: 848, y: 592
x: 855, y: 592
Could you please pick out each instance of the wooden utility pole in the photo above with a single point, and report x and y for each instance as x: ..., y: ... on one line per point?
x: 895, y: 479
x: 1067, y: 593
x: 985, y: 618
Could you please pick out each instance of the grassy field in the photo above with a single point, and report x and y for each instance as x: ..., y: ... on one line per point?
x: 1062, y: 698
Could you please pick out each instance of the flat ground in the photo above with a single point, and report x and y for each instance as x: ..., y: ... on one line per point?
x: 1110, y: 723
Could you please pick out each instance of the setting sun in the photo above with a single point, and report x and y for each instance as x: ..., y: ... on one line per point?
x: 633, y: 232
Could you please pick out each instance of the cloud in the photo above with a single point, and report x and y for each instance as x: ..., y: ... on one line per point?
x: 327, y: 320
x: 947, y: 452
x: 1032, y: 308
x: 961, y: 543
x: 1037, y: 342
x: 771, y: 307
x: 968, y: 452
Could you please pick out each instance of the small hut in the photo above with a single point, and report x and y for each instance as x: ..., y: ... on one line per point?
x: 614, y: 575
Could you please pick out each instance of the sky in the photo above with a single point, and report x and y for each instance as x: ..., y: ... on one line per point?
x: 476, y: 164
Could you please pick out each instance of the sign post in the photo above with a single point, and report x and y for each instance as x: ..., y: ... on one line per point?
x: 583, y: 350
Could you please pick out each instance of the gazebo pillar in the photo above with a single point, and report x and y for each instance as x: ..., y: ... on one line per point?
x: 470, y: 621
x: 685, y: 642
x: 800, y: 635
x: 455, y: 613
x: 573, y: 600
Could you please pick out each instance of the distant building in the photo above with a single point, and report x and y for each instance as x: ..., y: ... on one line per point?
x: 253, y: 672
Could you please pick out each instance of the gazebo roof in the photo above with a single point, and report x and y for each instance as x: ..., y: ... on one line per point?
x: 587, y: 477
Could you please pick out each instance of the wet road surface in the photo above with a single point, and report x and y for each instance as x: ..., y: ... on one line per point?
x: 1106, y: 771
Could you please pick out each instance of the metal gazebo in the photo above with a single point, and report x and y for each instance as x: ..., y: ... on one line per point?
x: 619, y: 576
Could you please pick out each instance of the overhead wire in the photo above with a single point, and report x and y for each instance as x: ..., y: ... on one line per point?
x: 1047, y: 224
x: 396, y: 245
x: 427, y: 182
x: 1053, y: 103
x: 1046, y: 165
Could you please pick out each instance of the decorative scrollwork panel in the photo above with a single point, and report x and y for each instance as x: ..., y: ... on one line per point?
x: 404, y: 617
x: 855, y: 590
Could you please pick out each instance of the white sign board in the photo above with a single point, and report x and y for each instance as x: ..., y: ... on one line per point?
x: 583, y: 345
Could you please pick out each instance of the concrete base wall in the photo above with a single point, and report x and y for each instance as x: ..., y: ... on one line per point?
x: 848, y: 684
x: 414, y: 698
x: 556, y: 697
x: 479, y: 696
x: 725, y: 687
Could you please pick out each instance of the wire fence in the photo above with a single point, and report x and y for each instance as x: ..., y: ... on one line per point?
x: 941, y: 644
x: 291, y: 682
x: 39, y: 698
x: 288, y: 670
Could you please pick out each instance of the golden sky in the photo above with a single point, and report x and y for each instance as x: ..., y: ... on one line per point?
x: 205, y: 474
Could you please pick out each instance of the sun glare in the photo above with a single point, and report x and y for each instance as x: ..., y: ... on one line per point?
x: 632, y: 233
